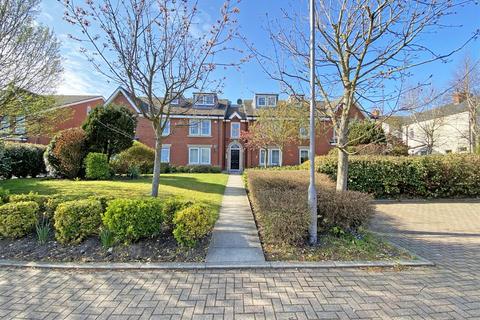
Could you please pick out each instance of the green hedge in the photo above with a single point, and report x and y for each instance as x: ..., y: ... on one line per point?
x: 22, y: 160
x: 96, y: 166
x: 132, y: 219
x: 192, y: 224
x: 17, y: 219
x: 436, y: 176
x: 76, y: 220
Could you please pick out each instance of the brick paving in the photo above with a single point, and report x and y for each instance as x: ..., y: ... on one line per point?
x: 448, y: 234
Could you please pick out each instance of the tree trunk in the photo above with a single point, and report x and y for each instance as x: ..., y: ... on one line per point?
x: 157, y: 163
x: 342, y: 167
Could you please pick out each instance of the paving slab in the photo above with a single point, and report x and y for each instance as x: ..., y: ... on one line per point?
x: 235, y: 236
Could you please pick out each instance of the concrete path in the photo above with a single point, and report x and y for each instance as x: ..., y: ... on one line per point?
x: 235, y: 236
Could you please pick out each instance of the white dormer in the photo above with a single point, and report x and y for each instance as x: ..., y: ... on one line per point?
x: 205, y: 99
x: 265, y: 100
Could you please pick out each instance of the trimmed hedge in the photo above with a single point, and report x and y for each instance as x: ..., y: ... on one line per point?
x: 22, y: 160
x: 76, y: 220
x: 435, y: 176
x: 279, y: 201
x: 18, y: 219
x: 96, y: 166
x: 132, y: 219
x: 192, y: 224
x: 35, y: 197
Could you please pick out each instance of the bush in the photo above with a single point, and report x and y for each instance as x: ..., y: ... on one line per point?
x: 132, y: 219
x: 366, y: 132
x: 23, y: 160
x: 4, y: 195
x: 5, y: 167
x: 17, y: 219
x: 279, y: 201
x: 96, y: 166
x: 438, y: 176
x: 192, y: 224
x: 76, y: 220
x: 65, y: 153
x: 197, y: 169
x: 138, y: 155
x: 347, y: 210
x: 35, y: 197
x: 172, y: 206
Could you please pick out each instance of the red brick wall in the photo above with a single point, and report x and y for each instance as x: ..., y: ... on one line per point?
x: 76, y: 115
x: 220, y: 139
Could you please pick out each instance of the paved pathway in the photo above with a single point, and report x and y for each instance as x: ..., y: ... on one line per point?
x: 235, y: 236
x: 448, y: 234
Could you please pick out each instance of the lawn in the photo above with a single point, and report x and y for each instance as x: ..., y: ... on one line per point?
x: 204, y: 187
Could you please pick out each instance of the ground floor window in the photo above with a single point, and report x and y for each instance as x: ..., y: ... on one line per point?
x: 199, y: 155
x: 274, y: 157
x: 303, y: 155
x: 165, y: 156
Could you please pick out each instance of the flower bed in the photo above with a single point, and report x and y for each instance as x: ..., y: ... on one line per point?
x: 279, y: 201
x: 56, y: 228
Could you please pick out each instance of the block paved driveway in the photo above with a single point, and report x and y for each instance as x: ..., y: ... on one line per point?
x: 446, y: 233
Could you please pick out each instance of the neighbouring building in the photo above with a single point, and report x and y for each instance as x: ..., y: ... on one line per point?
x: 76, y: 107
x: 208, y: 132
x: 442, y: 130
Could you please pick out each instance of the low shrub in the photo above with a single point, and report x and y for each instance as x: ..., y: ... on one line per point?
x: 23, y: 160
x: 196, y: 169
x: 170, y: 207
x: 347, y: 210
x: 76, y: 220
x: 138, y: 155
x: 192, y: 224
x: 39, y: 199
x: 132, y: 219
x: 279, y: 200
x: 435, y: 176
x: 52, y: 203
x: 18, y: 219
x: 96, y: 166
x: 65, y: 153
x: 4, y: 195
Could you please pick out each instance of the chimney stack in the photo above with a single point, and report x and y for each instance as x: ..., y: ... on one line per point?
x: 458, y: 97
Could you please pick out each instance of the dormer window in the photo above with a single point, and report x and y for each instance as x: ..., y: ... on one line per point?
x: 204, y: 99
x: 265, y: 100
x: 176, y: 100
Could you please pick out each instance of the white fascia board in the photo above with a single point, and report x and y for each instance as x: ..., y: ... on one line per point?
x: 122, y: 91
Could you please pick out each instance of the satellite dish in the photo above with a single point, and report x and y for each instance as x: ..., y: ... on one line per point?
x: 239, y: 101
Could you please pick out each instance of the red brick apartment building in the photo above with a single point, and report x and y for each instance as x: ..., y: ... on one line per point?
x: 206, y: 133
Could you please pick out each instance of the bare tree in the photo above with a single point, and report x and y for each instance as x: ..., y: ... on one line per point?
x: 157, y: 49
x: 30, y: 65
x: 362, y: 46
x: 466, y: 84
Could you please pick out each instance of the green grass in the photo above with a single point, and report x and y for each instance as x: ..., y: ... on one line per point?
x: 207, y: 188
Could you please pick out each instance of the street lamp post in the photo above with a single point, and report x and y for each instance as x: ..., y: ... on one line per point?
x: 312, y: 192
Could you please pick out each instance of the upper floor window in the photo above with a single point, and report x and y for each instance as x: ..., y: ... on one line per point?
x: 333, y: 141
x: 204, y: 99
x: 411, y: 134
x: 235, y: 130
x: 20, y: 125
x: 89, y: 109
x: 303, y: 133
x: 200, y: 128
x: 166, y: 128
x: 266, y: 100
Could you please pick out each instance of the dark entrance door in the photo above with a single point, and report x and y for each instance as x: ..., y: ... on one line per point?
x: 234, y: 159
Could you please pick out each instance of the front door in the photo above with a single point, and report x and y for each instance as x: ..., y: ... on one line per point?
x: 234, y: 159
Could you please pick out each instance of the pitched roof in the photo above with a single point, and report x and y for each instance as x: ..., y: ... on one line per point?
x: 62, y: 100
x: 443, y: 111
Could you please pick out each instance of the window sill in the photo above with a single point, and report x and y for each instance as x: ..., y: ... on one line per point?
x: 199, y: 164
x: 198, y: 136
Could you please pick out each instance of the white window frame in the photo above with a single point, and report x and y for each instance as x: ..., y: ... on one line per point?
x: 300, y: 150
x: 5, y: 124
x: 89, y: 110
x: 270, y: 151
x: 334, y: 141
x: 200, y: 150
x: 234, y: 124
x: 303, y: 133
x: 267, y: 100
x: 165, y: 148
x: 200, y: 123
x: 201, y: 99
x: 20, y: 125
x: 166, y: 129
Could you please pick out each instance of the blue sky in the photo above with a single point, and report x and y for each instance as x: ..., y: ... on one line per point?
x: 81, y: 78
